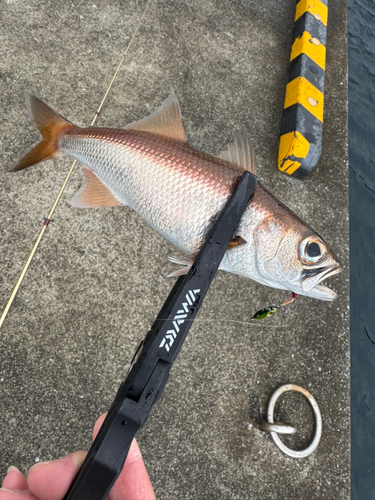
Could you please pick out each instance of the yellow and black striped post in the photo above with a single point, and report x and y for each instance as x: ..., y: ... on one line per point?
x: 302, y: 124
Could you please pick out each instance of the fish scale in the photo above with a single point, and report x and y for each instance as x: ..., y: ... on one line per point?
x: 175, y: 189
x: 179, y: 191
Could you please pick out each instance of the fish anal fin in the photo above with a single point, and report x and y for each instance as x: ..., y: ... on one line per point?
x: 165, y: 121
x: 187, y: 262
x: 94, y: 193
x: 240, y: 152
x: 180, y: 272
x: 236, y: 242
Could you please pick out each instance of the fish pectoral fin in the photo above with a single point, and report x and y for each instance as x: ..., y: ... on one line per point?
x: 240, y: 152
x: 165, y: 121
x: 236, y: 242
x: 187, y: 262
x: 183, y: 261
x: 94, y: 193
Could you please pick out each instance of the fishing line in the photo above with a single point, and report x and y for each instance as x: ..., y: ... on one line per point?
x: 255, y: 323
x: 48, y: 219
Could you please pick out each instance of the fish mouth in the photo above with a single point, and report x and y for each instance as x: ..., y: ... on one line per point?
x: 312, y: 279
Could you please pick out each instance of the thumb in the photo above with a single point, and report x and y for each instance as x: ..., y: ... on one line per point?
x: 133, y: 482
x: 51, y: 480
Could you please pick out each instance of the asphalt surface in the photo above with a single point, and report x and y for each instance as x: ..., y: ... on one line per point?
x: 98, y: 279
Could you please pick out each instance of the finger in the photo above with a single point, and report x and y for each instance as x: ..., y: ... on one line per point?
x: 6, y: 494
x: 14, y: 480
x: 133, y: 483
x: 51, y: 480
x: 98, y: 424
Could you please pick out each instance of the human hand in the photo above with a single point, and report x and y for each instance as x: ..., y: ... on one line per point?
x: 51, y: 480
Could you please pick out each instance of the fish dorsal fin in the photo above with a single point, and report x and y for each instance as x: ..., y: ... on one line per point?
x: 94, y: 193
x: 165, y: 121
x: 240, y: 152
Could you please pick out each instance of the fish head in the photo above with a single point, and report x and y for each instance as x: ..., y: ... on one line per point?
x: 291, y: 256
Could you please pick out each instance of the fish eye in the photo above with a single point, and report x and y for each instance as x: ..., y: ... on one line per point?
x: 312, y: 250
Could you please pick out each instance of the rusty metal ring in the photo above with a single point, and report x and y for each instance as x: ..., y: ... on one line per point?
x: 318, y: 421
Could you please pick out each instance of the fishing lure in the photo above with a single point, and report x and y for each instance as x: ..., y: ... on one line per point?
x: 270, y: 311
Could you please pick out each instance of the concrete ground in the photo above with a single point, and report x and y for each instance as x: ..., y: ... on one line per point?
x: 98, y: 279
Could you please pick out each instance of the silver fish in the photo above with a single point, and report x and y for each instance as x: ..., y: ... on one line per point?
x: 149, y: 166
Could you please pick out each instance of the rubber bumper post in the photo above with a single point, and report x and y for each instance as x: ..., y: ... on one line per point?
x: 302, y: 124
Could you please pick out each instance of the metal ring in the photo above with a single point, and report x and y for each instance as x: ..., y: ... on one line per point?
x: 318, y: 421
x: 280, y: 427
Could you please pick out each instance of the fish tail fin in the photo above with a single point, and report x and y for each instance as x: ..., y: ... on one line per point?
x: 51, y: 125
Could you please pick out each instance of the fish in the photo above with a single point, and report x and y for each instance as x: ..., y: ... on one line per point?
x: 179, y: 191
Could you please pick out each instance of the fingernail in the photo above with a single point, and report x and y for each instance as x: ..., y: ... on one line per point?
x: 39, y: 463
x: 78, y: 458
x: 11, y: 468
